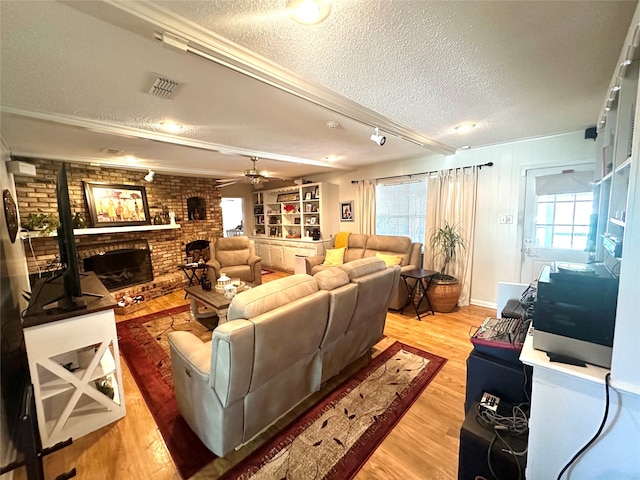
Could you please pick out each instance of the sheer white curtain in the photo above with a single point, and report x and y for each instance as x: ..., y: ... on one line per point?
x: 452, y: 198
x: 366, y: 206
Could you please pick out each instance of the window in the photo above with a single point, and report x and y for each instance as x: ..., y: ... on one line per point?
x: 562, y: 220
x: 401, y: 209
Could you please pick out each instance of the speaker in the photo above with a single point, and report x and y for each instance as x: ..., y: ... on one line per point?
x: 21, y: 168
x: 591, y: 133
x: 481, y: 452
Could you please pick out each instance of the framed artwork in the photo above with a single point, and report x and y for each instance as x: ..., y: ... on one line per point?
x: 288, y: 197
x: 307, y: 196
x: 112, y: 205
x: 346, y: 211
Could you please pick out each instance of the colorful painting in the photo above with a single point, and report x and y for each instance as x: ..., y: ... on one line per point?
x: 116, y: 205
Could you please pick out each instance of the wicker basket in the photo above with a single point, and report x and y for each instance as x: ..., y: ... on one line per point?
x: 444, y: 295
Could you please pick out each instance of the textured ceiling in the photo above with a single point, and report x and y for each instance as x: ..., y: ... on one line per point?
x: 74, y: 79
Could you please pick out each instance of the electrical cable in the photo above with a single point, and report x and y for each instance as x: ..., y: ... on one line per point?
x: 35, y: 259
x: 595, y: 437
x: 517, y: 423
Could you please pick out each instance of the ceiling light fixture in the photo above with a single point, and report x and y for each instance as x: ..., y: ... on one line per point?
x: 149, y: 176
x: 333, y: 124
x: 465, y: 127
x: 309, y: 12
x: 379, y: 139
x: 171, y: 127
x: 253, y: 173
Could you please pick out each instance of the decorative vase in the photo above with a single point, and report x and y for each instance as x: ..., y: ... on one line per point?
x: 205, y: 282
x: 444, y: 294
x: 223, y: 281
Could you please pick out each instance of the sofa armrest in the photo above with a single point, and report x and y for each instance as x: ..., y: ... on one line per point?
x: 194, y: 353
x: 255, y: 262
x: 214, y: 265
x: 311, y: 262
x: 253, y: 259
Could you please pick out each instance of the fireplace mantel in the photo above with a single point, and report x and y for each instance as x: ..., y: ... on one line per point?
x: 103, y: 230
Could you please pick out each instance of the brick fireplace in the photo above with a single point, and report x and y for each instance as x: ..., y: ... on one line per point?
x: 167, y: 247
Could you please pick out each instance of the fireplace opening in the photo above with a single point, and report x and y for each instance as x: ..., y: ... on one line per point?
x: 122, y: 267
x: 197, y: 250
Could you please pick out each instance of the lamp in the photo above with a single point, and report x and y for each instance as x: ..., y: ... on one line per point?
x: 149, y: 176
x: 379, y: 139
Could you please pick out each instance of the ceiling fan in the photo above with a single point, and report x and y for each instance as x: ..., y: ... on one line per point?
x: 254, y: 176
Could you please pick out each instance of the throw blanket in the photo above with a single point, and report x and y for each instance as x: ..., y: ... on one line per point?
x: 342, y: 239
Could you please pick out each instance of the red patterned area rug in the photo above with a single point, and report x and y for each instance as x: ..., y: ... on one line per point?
x: 143, y: 343
x: 337, y: 436
x: 332, y: 440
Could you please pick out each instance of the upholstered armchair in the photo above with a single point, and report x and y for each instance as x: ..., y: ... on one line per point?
x: 236, y: 257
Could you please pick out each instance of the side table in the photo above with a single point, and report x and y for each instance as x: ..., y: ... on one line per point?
x: 422, y: 279
x: 193, y: 272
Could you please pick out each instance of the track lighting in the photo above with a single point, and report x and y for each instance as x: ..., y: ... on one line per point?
x: 379, y: 139
x: 149, y: 176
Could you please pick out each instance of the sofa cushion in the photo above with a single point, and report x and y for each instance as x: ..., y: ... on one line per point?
x: 331, y: 278
x: 269, y: 296
x: 390, y: 245
x: 363, y: 266
x: 357, y: 246
x: 233, y: 251
x: 334, y: 257
x: 389, y: 260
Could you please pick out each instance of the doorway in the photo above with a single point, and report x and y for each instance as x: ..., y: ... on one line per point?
x: 232, y: 216
x: 557, y: 216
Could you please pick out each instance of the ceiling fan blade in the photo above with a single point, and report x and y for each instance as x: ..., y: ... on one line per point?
x: 221, y: 185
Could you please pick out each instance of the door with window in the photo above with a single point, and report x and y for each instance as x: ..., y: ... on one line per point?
x: 558, y: 209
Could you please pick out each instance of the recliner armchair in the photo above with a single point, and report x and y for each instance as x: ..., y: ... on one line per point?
x: 235, y: 257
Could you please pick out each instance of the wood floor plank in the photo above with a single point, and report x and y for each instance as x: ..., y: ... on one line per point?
x: 424, y: 444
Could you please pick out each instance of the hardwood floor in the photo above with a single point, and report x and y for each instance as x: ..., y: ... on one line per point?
x: 424, y: 444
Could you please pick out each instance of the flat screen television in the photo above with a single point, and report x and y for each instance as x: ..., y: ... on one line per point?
x: 70, y: 298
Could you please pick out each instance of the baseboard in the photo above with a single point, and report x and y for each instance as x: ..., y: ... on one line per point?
x: 482, y: 303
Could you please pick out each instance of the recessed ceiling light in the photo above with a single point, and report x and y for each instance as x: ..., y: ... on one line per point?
x: 465, y: 127
x: 309, y: 12
x: 171, y: 127
x: 330, y: 158
x: 333, y: 124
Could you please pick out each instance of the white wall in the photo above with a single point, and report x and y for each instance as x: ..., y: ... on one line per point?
x: 14, y: 280
x: 500, y: 191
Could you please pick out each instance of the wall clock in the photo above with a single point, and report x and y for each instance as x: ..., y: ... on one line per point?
x: 11, y: 214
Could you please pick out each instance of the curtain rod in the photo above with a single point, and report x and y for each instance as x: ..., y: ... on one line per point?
x: 488, y: 164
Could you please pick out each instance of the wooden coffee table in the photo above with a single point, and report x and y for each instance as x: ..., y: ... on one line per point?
x: 216, y: 304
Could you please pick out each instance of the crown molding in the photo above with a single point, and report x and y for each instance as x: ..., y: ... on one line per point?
x: 114, y: 129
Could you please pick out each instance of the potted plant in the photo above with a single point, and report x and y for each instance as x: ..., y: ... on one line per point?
x: 444, y: 289
x: 45, y: 223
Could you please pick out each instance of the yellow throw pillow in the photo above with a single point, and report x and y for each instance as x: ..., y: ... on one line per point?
x: 334, y: 257
x: 390, y: 260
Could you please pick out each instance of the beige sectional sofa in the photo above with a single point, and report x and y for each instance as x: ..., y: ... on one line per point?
x: 364, y: 246
x: 282, y: 341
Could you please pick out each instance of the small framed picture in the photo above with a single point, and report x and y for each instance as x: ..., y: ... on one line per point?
x: 346, y: 211
x: 307, y: 196
x: 312, y: 221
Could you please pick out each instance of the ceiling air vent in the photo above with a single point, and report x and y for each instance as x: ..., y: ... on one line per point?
x: 163, y: 87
